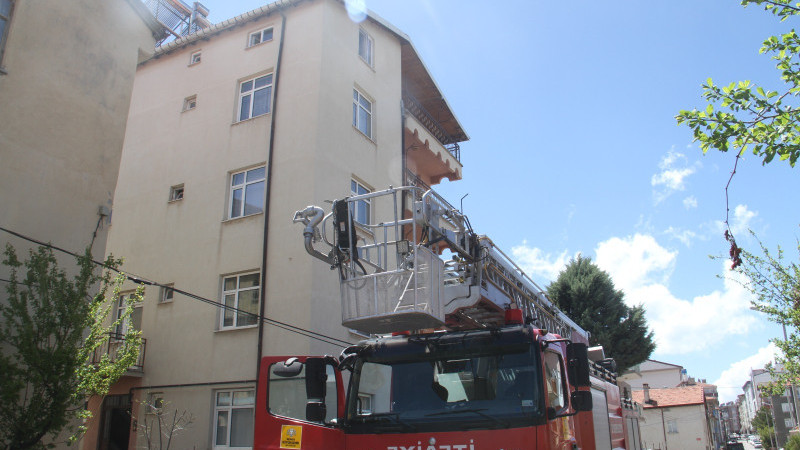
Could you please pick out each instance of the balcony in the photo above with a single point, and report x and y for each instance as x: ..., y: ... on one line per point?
x: 110, y: 348
x: 430, y: 152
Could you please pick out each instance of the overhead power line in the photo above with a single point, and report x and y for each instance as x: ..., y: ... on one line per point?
x: 144, y: 281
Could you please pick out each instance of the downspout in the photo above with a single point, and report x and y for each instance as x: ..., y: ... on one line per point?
x: 403, y: 150
x: 270, y: 152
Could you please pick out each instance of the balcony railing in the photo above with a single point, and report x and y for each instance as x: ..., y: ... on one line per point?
x: 112, y: 345
x: 416, y: 109
x: 413, y: 180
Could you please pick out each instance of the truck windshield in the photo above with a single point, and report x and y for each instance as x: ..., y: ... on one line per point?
x: 443, y: 394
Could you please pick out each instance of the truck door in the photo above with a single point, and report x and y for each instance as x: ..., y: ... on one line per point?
x: 290, y: 414
x: 561, y: 429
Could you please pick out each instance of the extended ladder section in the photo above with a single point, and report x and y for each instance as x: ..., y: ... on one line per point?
x: 408, y: 260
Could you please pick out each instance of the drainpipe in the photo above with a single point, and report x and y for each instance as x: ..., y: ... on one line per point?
x: 403, y: 150
x: 268, y: 181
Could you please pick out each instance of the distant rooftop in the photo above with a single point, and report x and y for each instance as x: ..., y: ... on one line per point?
x: 664, y: 398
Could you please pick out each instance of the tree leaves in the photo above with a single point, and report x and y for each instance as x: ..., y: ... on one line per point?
x: 51, y: 329
x: 749, y: 118
x: 587, y: 295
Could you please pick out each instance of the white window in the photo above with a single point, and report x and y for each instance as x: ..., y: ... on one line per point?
x: 672, y: 426
x: 247, y: 192
x: 365, y: 46
x: 361, y: 213
x: 241, y: 292
x: 5, y: 18
x: 132, y: 322
x: 362, y: 113
x: 255, y: 96
x: 190, y: 103
x: 167, y: 294
x: 176, y: 193
x: 233, y: 418
x: 788, y: 422
x: 195, y: 58
x: 259, y: 37
x: 786, y: 407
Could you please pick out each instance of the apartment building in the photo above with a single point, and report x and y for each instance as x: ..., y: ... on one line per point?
x: 231, y: 130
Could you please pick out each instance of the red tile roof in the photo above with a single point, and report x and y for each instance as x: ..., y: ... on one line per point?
x: 680, y: 396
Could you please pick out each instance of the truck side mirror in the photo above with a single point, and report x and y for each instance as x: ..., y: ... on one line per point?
x: 316, y: 411
x: 578, y: 364
x: 288, y: 369
x: 581, y: 400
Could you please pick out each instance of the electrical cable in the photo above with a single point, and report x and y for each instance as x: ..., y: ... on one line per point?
x: 143, y: 281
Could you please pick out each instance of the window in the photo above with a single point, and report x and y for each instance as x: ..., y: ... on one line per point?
x: 255, y: 95
x: 155, y: 402
x: 195, y: 58
x: 364, y: 404
x: 362, y: 113
x: 365, y: 46
x: 287, y: 394
x: 247, y: 192
x: 361, y: 214
x: 6, y: 6
x: 554, y: 381
x: 134, y: 321
x: 788, y: 422
x: 786, y: 407
x: 259, y: 37
x: 167, y: 294
x: 233, y: 418
x: 190, y: 103
x: 176, y: 193
x: 672, y: 426
x: 241, y: 292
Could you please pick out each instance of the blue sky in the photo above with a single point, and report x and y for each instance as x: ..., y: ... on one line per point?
x: 574, y: 149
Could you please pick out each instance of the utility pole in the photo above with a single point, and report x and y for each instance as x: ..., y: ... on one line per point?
x: 791, y: 387
x: 664, y: 429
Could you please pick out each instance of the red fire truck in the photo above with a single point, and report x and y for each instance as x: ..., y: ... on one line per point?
x: 465, y: 353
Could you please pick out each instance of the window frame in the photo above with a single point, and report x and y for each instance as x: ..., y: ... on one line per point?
x: 250, y: 94
x: 196, y: 58
x: 358, y: 106
x: 167, y: 294
x: 354, y: 183
x: 189, y: 103
x: 176, y: 193
x: 233, y: 188
x: 5, y: 32
x: 367, y: 52
x: 236, y: 292
x: 122, y: 328
x: 260, y: 34
x: 229, y: 410
x: 672, y: 426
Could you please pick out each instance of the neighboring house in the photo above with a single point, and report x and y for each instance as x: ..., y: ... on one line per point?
x: 657, y: 374
x: 66, y: 76
x: 729, y: 416
x: 675, y: 418
x: 231, y: 130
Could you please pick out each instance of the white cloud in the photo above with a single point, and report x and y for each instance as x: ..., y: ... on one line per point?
x: 641, y: 268
x: 742, y: 220
x: 538, y: 264
x: 690, y: 202
x: 730, y: 382
x: 675, y: 169
x: 685, y: 236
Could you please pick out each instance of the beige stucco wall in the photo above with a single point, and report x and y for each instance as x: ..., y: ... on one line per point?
x: 191, y: 244
x: 692, y: 430
x: 65, y: 95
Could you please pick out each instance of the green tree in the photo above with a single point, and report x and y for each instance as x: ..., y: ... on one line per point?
x: 793, y: 443
x: 744, y: 116
x: 587, y: 295
x: 775, y: 284
x: 762, y: 422
x: 53, y: 330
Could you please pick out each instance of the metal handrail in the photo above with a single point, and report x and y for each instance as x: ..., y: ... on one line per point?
x: 416, y: 109
x: 110, y: 346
